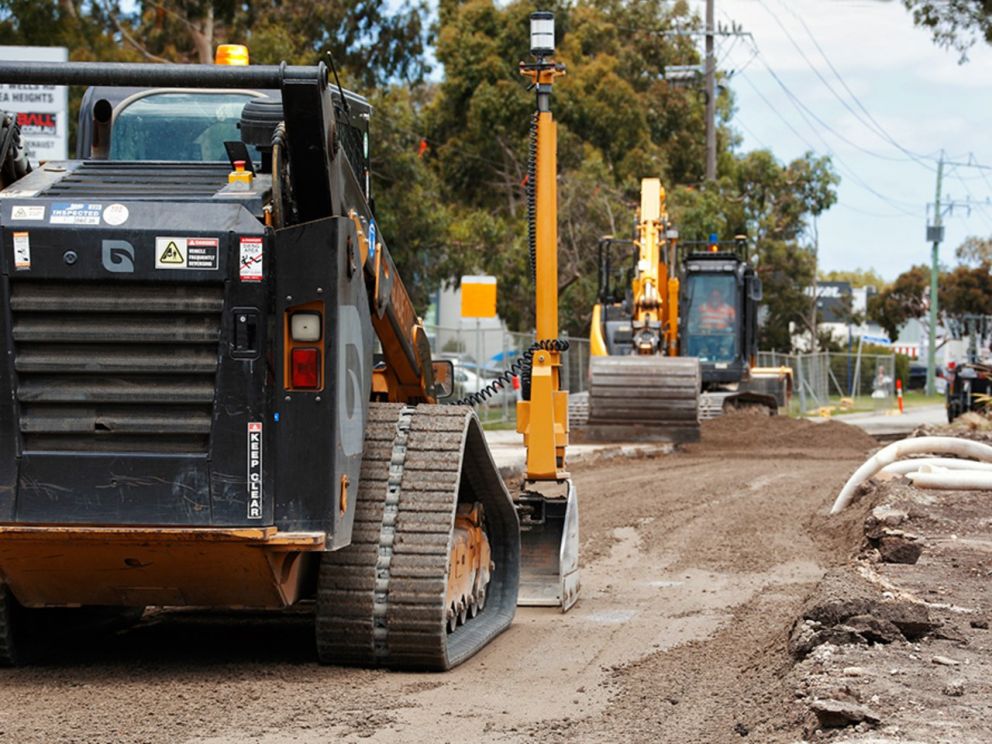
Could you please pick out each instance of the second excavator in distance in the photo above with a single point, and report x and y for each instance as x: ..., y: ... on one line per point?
x: 673, y: 338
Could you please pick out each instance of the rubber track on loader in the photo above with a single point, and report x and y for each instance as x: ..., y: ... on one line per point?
x: 642, y: 398
x: 381, y: 600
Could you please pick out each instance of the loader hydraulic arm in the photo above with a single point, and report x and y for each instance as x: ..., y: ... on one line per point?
x: 408, y: 373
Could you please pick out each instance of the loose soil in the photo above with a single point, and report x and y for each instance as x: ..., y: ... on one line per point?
x: 696, y: 565
x: 931, y: 682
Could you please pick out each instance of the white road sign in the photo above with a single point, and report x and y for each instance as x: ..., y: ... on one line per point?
x: 42, y: 110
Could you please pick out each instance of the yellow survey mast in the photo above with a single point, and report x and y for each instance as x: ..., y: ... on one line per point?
x: 543, y: 420
x: 546, y: 504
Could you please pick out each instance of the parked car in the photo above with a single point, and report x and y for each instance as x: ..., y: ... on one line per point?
x: 918, y: 377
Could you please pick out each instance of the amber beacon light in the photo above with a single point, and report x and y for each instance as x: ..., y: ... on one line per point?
x: 231, y: 54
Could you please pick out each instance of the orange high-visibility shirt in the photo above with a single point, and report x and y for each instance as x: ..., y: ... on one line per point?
x: 716, y: 317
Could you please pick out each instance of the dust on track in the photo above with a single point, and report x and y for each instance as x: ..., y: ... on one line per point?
x: 694, y: 566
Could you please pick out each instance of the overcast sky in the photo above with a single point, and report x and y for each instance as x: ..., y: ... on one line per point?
x: 918, y: 95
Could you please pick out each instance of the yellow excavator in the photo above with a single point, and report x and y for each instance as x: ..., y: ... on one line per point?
x: 673, y: 338
x: 640, y: 388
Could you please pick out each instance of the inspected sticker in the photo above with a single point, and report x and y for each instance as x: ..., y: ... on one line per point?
x: 75, y: 213
x: 26, y: 212
x: 254, y: 470
x: 250, y: 264
x: 22, y: 251
x: 116, y: 214
x: 196, y: 254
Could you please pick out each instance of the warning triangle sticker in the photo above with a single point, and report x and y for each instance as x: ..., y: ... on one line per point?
x: 171, y: 254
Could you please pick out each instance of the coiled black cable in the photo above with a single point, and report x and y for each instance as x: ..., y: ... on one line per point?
x: 532, y: 198
x: 521, y: 368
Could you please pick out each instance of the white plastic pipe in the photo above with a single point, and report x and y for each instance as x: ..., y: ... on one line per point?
x: 921, y: 463
x: 904, y: 447
x: 953, y: 480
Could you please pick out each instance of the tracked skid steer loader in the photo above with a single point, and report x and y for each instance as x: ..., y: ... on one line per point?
x: 199, y: 412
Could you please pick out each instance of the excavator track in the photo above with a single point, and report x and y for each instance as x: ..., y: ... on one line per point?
x: 642, y: 399
x: 381, y: 601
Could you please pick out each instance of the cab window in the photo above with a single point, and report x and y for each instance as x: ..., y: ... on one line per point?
x: 711, y: 317
x: 180, y: 126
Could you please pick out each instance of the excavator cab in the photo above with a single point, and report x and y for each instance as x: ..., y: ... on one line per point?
x: 720, y: 295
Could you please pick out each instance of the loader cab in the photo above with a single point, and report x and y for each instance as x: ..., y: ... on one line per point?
x: 137, y: 124
x: 719, y: 300
x: 129, y: 124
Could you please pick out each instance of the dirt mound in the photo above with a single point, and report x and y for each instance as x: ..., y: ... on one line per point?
x: 746, y: 431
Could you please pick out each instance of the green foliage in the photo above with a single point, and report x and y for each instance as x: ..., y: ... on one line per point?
x: 957, y: 24
x: 375, y: 42
x: 974, y: 251
x: 906, y: 298
x: 962, y: 290
x: 856, y: 277
x: 966, y: 290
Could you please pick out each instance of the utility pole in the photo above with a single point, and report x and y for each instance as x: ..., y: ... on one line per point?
x: 710, y: 94
x: 936, y: 234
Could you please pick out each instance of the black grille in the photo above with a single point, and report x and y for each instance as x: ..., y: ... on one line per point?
x: 137, y: 180
x: 101, y: 368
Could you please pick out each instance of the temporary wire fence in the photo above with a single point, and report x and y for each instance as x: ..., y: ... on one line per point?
x: 837, y: 380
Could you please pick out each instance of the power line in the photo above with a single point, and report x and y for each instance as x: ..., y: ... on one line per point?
x: 819, y: 120
x: 746, y: 128
x: 840, y: 161
x: 973, y: 202
x: 881, y: 131
x: 869, y: 213
x: 858, y: 117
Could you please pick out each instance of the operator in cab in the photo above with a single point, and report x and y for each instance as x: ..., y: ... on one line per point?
x: 715, y: 315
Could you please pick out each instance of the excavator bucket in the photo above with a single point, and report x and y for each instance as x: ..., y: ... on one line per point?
x: 549, y: 544
x: 641, y: 399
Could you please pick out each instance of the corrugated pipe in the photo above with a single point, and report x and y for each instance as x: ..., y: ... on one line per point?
x: 913, y: 446
x: 915, y: 464
x: 952, y: 480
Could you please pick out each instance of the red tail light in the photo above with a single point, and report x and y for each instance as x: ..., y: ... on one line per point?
x: 305, y: 369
